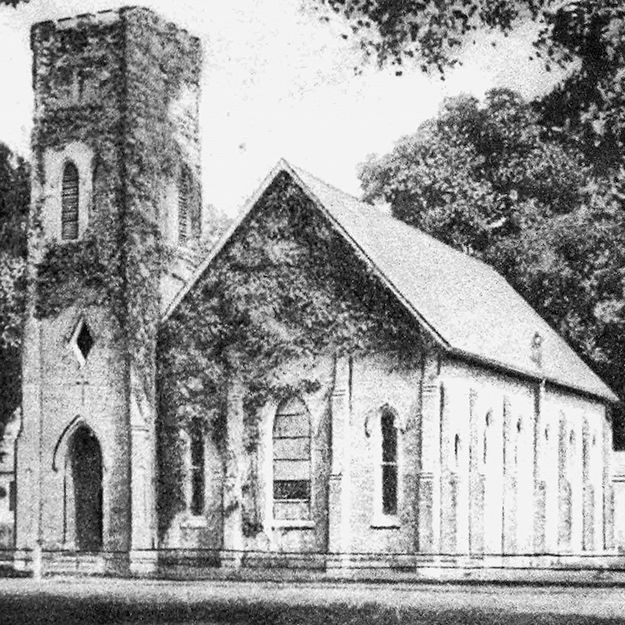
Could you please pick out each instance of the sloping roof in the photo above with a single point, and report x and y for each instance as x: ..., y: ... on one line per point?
x: 469, y: 309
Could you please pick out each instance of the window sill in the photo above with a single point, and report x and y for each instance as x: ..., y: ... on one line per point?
x: 385, y: 522
x: 293, y: 524
x: 194, y: 521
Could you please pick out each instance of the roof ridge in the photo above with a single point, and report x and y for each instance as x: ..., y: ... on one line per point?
x: 455, y: 305
x: 392, y: 217
x: 327, y: 184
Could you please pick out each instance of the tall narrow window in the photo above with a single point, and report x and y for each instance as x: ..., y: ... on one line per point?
x: 12, y: 496
x: 517, y: 442
x: 96, y: 181
x: 389, y: 463
x: 456, y: 450
x: 197, y: 468
x: 585, y: 457
x: 184, y: 208
x: 485, y: 441
x: 69, y: 203
x: 291, y: 461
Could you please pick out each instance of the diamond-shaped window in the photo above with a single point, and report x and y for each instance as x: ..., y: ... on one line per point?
x: 82, y: 342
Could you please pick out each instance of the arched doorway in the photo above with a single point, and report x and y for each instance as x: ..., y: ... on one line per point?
x: 85, y: 490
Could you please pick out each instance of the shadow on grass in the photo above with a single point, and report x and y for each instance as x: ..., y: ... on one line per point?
x: 41, y: 609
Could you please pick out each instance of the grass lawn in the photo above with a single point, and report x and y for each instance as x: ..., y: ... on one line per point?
x: 137, y: 602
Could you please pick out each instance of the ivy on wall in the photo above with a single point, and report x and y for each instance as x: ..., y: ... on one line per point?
x: 111, y: 87
x: 286, y: 287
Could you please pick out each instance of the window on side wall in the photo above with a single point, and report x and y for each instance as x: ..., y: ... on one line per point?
x: 197, y: 469
x: 291, y: 461
x: 388, y: 431
x: 12, y: 496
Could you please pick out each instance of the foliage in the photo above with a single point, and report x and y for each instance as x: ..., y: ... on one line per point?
x: 285, y: 289
x: 490, y: 181
x: 572, y: 269
x: 584, y: 36
x: 428, y: 31
x: 11, y: 314
x: 215, y: 225
x: 563, y: 254
x: 11, y: 301
x: 589, y: 105
x: 131, y: 72
x: 115, y: 88
x: 477, y: 173
x: 14, y: 204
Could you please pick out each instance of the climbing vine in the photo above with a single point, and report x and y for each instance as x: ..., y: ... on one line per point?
x: 285, y: 288
x: 113, y: 86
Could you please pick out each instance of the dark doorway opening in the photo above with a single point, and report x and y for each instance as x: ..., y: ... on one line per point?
x: 86, y: 468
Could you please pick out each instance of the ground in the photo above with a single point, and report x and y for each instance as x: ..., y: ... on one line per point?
x: 123, y: 602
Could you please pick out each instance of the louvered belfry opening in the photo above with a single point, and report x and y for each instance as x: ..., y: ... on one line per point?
x: 70, y: 197
x: 184, y: 197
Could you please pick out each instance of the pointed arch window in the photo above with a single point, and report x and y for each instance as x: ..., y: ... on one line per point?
x: 291, y: 461
x: 69, y: 202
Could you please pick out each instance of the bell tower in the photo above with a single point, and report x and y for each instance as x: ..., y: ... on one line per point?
x: 116, y: 204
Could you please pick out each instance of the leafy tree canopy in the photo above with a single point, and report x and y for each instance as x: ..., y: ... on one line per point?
x: 490, y: 180
x: 429, y: 31
x: 477, y: 174
x: 586, y: 36
x: 14, y: 204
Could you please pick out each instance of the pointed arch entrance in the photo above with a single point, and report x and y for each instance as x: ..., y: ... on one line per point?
x: 83, y: 491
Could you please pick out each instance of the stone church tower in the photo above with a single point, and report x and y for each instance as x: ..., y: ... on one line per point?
x: 115, y: 214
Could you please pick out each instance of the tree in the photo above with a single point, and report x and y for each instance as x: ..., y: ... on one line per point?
x: 490, y: 181
x: 585, y: 36
x: 14, y: 204
x: 428, y: 31
x: 477, y: 173
x: 589, y: 106
x: 537, y: 191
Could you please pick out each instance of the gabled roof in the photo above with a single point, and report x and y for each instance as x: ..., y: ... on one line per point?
x: 467, y: 307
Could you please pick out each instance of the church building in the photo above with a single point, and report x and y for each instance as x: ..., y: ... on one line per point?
x: 326, y: 388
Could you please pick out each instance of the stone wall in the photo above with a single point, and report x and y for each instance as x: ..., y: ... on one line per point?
x: 345, y: 414
x: 617, y: 500
x: 489, y: 464
x: 535, y: 468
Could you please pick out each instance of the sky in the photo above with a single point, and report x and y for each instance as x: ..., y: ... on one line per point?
x: 280, y: 83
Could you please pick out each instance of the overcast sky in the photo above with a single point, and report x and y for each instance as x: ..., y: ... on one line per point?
x: 277, y: 83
